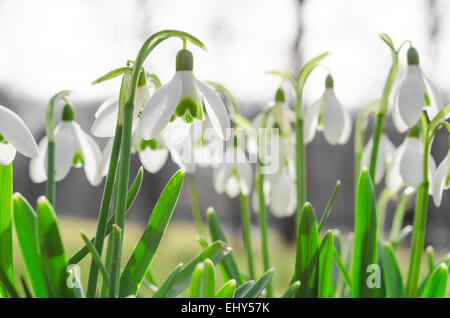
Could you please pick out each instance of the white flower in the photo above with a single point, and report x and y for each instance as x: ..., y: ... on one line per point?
x: 235, y: 175
x: 328, y: 114
x: 406, y: 166
x: 106, y: 115
x: 416, y: 92
x: 14, y: 135
x: 73, y: 147
x: 170, y: 112
x: 385, y: 151
x: 441, y: 180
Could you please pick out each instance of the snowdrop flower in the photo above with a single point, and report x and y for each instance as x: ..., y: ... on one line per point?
x: 170, y: 112
x: 406, y: 166
x: 106, y: 115
x: 329, y: 115
x: 14, y: 135
x: 235, y: 175
x: 385, y: 150
x: 416, y: 92
x: 73, y: 147
x: 441, y: 180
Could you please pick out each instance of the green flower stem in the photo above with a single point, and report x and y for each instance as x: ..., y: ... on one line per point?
x: 421, y: 208
x: 195, y: 204
x: 104, y: 211
x: 262, y: 218
x: 382, y: 203
x: 125, y: 153
x: 380, y: 119
x: 246, y: 232
x: 50, y: 133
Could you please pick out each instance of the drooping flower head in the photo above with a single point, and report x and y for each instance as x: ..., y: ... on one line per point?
x: 14, y: 135
x: 170, y: 112
x: 73, y: 147
x: 416, y: 92
x: 441, y: 179
x: 329, y: 115
x: 406, y: 166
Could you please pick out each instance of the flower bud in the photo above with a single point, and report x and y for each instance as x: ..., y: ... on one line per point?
x: 279, y: 95
x: 184, y: 61
x: 68, y: 113
x: 142, y: 79
x: 329, y: 83
x: 412, y: 56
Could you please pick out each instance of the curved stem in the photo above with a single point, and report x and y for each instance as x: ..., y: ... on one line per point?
x: 50, y: 133
x: 195, y: 204
x: 246, y: 233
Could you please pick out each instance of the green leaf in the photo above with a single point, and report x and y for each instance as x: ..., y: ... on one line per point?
x: 53, y: 258
x: 165, y: 286
x: 215, y: 252
x: 131, y: 196
x: 308, y: 68
x: 325, y: 289
x: 227, y: 290
x: 365, y: 241
x: 112, y: 74
x: 292, y: 290
x: 391, y: 271
x: 241, y: 290
x: 430, y: 256
x: 9, y: 288
x: 6, y: 243
x: 437, y: 283
x: 25, y: 222
x: 228, y: 263
x: 257, y: 288
x: 308, y: 258
x: 386, y: 39
x: 399, y: 215
x: 243, y: 122
x: 203, y: 280
x: 327, y: 211
x: 285, y: 75
x: 96, y: 257
x: 139, y: 262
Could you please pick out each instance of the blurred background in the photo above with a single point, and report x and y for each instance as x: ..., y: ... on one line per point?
x: 50, y: 45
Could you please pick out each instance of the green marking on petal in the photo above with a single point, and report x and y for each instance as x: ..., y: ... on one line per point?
x: 188, y: 119
x: 3, y: 140
x: 427, y: 99
x: 78, y: 160
x: 186, y: 104
x: 173, y: 118
x: 152, y: 144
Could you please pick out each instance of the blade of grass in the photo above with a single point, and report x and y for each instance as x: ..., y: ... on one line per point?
x: 430, y: 256
x: 307, y: 258
x: 290, y: 292
x: 25, y: 223
x: 241, y: 290
x: 256, y: 289
x: 342, y: 268
x: 227, y: 290
x: 325, y: 287
x: 437, y: 283
x: 391, y: 271
x: 365, y: 241
x: 327, y: 211
x: 167, y: 284
x: 216, y: 251
x: 139, y: 262
x: 228, y: 263
x: 6, y: 242
x: 96, y: 257
x: 203, y: 280
x: 53, y: 258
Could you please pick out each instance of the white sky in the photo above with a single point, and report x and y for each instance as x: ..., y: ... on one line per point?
x: 49, y: 45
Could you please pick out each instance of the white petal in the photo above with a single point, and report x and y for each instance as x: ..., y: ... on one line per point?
x: 153, y: 160
x: 283, y: 199
x: 411, y: 96
x: 141, y: 97
x: 232, y: 187
x: 64, y: 150
x: 103, y: 166
x: 38, y: 169
x: 385, y: 152
x: 215, y: 109
x: 221, y: 176
x: 394, y: 180
x: 7, y: 153
x: 91, y: 153
x: 438, y: 183
x: 336, y: 121
x: 245, y: 173
x: 312, y: 119
x: 175, y: 132
x: 435, y: 96
x: 183, y: 160
x: 411, y: 163
x: 14, y: 130
x: 106, y: 118
x: 160, y: 108
x: 396, y: 117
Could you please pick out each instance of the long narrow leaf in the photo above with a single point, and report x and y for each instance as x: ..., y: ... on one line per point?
x: 325, y: 288
x: 165, y: 286
x: 96, y: 257
x: 240, y: 292
x: 365, y: 241
x: 6, y: 243
x: 53, y: 258
x: 437, y: 283
x: 139, y: 262
x: 259, y: 285
x: 25, y: 223
x: 327, y: 211
x: 292, y: 290
x: 391, y: 271
x: 227, y: 290
x: 203, y: 280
